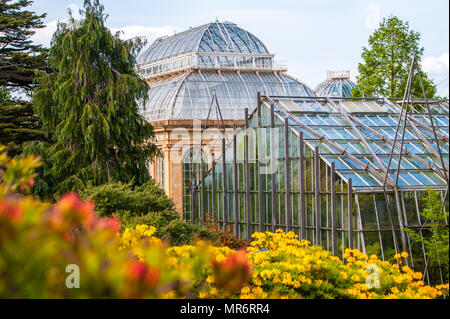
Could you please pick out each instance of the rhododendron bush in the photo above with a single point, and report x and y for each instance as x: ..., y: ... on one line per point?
x: 40, y: 241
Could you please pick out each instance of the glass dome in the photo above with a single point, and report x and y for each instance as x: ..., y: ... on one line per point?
x: 184, y: 72
x: 216, y: 36
x: 338, y: 84
x: 188, y: 96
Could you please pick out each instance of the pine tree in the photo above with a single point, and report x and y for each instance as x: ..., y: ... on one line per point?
x: 19, y: 59
x: 90, y: 105
x: 18, y: 124
x: 386, y: 63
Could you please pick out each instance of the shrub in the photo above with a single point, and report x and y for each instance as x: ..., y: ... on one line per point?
x: 119, y: 197
x: 160, y: 220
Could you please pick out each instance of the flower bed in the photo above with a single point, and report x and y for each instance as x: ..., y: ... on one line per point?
x: 38, y: 242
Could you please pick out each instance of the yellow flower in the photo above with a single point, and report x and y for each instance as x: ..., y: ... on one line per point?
x: 404, y: 254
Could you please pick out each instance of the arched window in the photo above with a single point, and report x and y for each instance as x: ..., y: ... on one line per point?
x: 194, y: 160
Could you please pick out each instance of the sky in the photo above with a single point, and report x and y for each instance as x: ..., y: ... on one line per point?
x: 310, y: 37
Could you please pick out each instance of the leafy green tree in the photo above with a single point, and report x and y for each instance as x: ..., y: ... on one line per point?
x: 90, y: 106
x: 436, y: 244
x: 19, y: 57
x: 386, y: 62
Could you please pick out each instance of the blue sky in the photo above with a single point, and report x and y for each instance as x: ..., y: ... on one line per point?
x: 311, y: 37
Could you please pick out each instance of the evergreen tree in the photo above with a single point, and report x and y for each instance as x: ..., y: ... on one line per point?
x: 386, y: 63
x: 18, y: 124
x: 90, y: 106
x: 19, y: 58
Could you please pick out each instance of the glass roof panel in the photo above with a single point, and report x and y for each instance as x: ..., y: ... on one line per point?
x: 211, y: 37
x: 342, y: 134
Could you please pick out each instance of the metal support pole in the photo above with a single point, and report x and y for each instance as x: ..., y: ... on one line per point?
x: 301, y: 201
x: 405, y: 95
x: 235, y: 185
x: 258, y: 153
x: 224, y: 185
x: 317, y: 194
x: 213, y: 189
x: 400, y: 221
x: 333, y: 211
x: 275, y: 219
x: 247, y: 177
x: 287, y: 175
x: 350, y: 214
x: 432, y: 124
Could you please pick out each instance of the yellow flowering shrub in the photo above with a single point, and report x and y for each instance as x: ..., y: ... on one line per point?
x: 136, y: 237
x: 284, y: 267
x: 288, y: 268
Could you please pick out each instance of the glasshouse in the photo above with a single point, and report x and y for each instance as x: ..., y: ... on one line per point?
x: 342, y: 173
x: 186, y: 72
x: 338, y: 84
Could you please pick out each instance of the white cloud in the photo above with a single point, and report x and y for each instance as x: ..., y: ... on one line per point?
x: 43, y: 36
x: 436, y: 65
x: 75, y: 10
x: 151, y: 33
x: 373, y: 16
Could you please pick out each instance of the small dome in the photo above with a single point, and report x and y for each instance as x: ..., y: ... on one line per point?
x: 212, y: 37
x: 338, y: 84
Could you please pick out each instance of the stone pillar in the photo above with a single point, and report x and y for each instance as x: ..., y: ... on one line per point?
x: 175, y: 179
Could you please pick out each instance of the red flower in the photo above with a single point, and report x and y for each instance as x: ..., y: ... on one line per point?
x: 232, y: 273
x: 111, y: 223
x: 138, y: 271
x: 72, y: 210
x: 10, y: 209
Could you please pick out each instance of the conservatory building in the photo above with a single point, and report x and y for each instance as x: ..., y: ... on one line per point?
x: 201, y: 81
x: 247, y: 146
x: 341, y: 173
x: 337, y: 84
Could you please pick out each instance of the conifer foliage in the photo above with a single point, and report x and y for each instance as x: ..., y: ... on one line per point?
x: 19, y: 60
x: 90, y: 107
x: 19, y: 57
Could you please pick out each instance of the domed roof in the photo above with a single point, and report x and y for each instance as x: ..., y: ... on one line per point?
x: 211, y: 37
x: 338, y: 84
x: 188, y: 96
